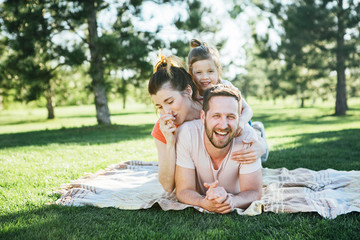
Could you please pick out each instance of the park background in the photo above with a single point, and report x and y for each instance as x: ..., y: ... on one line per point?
x: 296, y: 63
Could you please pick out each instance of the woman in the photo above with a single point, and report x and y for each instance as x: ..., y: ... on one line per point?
x: 174, y: 95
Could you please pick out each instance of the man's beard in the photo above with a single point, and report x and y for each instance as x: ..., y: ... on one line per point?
x: 210, y: 134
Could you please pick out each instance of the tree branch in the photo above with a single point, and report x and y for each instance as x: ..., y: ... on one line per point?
x: 74, y: 30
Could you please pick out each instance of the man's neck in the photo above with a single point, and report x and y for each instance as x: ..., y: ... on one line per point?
x: 217, y: 155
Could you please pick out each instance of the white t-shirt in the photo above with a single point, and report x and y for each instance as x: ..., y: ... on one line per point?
x: 191, y: 153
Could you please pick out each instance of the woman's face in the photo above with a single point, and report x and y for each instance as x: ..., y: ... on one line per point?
x: 170, y: 101
x: 205, y: 74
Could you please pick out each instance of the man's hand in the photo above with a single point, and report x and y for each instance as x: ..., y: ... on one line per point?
x: 214, y: 206
x: 214, y: 192
x: 217, y: 199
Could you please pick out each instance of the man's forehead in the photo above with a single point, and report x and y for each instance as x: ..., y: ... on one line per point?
x: 218, y: 99
x: 220, y: 102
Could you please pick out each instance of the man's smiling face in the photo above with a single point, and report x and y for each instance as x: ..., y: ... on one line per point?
x: 221, y: 120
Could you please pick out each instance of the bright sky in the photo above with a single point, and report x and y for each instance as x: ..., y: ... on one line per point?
x: 237, y: 31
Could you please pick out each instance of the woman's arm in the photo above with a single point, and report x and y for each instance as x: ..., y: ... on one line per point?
x: 166, y: 159
x: 166, y: 152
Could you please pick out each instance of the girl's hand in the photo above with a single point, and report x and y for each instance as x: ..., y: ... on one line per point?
x: 168, y: 127
x: 252, y: 151
x: 244, y: 156
x: 240, y: 129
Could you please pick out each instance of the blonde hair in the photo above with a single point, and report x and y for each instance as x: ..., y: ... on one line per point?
x: 202, y: 51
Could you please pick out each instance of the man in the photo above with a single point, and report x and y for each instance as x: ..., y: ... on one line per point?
x: 205, y: 175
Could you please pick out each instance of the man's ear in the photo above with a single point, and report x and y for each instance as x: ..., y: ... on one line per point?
x: 202, y: 116
x: 189, y: 90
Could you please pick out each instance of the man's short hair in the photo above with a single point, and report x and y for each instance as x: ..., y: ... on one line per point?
x: 221, y: 90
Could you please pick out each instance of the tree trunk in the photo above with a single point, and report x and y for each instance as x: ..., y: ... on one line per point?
x: 123, y: 92
x: 50, y: 104
x: 1, y: 100
x: 50, y: 107
x: 302, y: 104
x: 341, y: 105
x: 97, y: 68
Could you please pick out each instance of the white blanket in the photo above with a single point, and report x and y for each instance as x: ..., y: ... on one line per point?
x: 134, y: 185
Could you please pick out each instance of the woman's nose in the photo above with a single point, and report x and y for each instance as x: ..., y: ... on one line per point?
x: 167, y: 109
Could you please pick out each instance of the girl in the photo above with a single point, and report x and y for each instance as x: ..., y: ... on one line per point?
x: 205, y: 69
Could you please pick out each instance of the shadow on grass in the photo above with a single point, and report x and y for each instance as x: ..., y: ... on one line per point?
x: 271, y: 121
x: 112, y: 115
x: 42, y: 120
x: 83, y: 135
x: 93, y: 116
x: 336, y: 149
x: 56, y: 222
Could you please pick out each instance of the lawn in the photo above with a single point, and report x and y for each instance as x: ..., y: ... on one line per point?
x: 38, y: 155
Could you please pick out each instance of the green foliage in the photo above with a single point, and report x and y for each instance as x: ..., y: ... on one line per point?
x: 317, y: 38
x: 37, y: 156
x: 194, y: 25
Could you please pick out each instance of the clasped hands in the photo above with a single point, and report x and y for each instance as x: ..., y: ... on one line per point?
x: 217, y: 199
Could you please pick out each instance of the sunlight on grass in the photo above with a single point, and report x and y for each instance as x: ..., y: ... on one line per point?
x: 38, y: 155
x: 24, y: 120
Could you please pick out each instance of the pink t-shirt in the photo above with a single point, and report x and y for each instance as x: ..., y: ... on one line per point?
x: 191, y: 153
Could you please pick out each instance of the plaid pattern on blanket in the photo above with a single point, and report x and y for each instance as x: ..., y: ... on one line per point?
x: 134, y: 185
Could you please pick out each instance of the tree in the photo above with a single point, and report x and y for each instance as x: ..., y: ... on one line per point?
x: 33, y: 58
x: 318, y: 37
x: 193, y: 26
x: 126, y: 53
x: 109, y: 51
x: 71, y: 16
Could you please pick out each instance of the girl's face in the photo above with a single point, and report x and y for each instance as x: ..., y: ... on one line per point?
x: 170, y: 101
x: 205, y: 74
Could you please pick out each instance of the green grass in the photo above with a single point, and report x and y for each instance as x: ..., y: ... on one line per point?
x: 38, y: 155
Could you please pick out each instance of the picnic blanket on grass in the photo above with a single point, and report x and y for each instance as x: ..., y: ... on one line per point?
x: 134, y: 185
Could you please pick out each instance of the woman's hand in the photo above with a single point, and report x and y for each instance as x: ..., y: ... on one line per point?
x: 168, y: 127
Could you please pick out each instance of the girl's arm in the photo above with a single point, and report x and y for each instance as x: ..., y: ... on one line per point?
x: 166, y: 158
x: 246, y: 113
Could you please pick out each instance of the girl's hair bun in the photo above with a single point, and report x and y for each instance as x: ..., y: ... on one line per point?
x: 197, y: 43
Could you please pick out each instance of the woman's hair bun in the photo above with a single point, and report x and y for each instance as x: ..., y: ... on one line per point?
x: 166, y: 62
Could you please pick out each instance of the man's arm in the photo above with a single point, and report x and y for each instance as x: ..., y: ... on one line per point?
x: 251, y: 189
x: 185, y: 180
